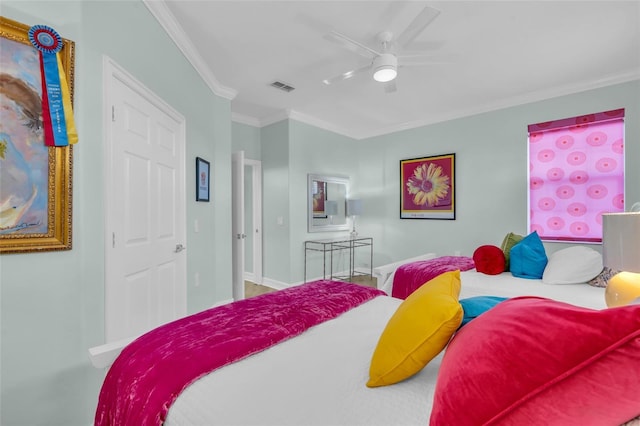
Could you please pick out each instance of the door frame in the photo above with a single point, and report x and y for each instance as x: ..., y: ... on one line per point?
x: 110, y: 72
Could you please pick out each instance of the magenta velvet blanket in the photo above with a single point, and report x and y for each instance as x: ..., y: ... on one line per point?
x: 410, y: 276
x: 151, y: 372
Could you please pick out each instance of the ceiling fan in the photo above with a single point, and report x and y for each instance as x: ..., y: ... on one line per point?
x: 385, y: 62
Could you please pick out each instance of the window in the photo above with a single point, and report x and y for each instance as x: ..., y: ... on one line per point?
x: 576, y: 173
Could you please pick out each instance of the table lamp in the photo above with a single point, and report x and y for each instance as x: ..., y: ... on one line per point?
x: 354, y: 208
x: 331, y: 209
x: 621, y: 252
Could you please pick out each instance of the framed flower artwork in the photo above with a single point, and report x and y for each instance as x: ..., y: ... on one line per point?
x: 427, y: 187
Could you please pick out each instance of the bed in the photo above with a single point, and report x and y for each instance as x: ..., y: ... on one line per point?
x: 317, y: 371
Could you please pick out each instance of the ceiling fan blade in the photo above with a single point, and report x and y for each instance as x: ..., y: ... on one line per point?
x: 346, y: 75
x: 351, y: 44
x: 418, y: 25
x: 423, y: 46
x: 390, y: 86
x: 413, y: 60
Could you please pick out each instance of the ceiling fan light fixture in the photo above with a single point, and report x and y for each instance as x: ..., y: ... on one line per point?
x: 385, y: 68
x: 384, y: 74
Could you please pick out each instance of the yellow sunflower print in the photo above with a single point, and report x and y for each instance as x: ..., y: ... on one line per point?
x: 428, y: 185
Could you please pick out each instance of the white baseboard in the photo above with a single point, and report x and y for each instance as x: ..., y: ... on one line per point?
x: 103, y: 356
x: 278, y: 285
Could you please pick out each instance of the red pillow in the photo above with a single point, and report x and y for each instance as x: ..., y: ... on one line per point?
x: 531, y: 360
x: 489, y: 260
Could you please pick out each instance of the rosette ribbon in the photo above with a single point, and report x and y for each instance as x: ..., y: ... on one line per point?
x: 57, y: 112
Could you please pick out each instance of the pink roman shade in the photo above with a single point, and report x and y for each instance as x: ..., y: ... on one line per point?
x: 576, y: 173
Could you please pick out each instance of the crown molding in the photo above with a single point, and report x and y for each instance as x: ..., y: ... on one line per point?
x: 307, y: 119
x: 527, y: 98
x: 278, y: 116
x: 488, y: 107
x: 245, y: 119
x: 165, y: 18
x: 163, y: 15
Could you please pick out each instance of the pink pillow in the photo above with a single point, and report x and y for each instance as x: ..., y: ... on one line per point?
x: 530, y: 360
x: 489, y: 260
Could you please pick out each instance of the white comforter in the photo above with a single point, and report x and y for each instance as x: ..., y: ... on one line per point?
x: 506, y: 285
x: 318, y: 378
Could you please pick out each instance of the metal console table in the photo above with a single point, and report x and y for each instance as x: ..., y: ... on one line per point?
x: 334, y: 245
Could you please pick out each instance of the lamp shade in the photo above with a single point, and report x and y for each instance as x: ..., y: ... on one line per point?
x: 621, y: 241
x: 331, y: 207
x: 354, y: 207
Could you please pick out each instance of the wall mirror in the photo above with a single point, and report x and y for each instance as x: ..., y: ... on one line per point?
x: 326, y: 200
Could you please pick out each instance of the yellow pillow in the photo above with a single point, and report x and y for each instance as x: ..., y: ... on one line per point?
x: 418, y: 331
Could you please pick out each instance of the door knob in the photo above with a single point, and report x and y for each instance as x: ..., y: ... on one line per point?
x: 179, y: 248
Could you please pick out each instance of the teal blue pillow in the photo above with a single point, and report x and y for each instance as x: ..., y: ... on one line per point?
x: 473, y: 307
x: 528, y: 258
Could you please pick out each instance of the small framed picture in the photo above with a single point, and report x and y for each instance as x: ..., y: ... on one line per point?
x: 202, y: 179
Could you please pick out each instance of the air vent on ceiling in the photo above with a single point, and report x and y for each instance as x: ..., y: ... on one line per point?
x: 282, y: 86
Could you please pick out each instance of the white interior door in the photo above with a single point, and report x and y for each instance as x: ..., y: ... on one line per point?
x: 146, y: 229
x: 237, y: 223
x: 256, y: 218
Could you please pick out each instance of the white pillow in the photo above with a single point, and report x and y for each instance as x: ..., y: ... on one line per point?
x: 572, y: 265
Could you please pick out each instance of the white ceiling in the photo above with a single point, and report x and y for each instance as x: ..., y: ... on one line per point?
x: 500, y: 54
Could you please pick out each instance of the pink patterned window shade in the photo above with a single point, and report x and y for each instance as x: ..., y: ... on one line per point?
x: 576, y: 173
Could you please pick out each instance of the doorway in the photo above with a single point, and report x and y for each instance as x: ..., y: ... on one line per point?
x: 247, y: 219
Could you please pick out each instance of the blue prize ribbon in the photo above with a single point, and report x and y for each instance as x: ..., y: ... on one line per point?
x: 54, y: 94
x: 49, y: 43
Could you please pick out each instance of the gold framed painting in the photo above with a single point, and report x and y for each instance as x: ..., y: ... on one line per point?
x: 35, y: 180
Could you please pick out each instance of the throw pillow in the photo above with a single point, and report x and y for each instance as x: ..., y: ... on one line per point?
x: 508, y: 242
x: 531, y: 360
x: 418, y: 331
x: 572, y: 265
x: 528, y: 257
x: 473, y: 307
x: 603, y: 277
x: 489, y: 260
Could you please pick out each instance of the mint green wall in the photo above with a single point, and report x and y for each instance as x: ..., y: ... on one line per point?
x: 491, y: 173
x: 313, y: 150
x: 290, y: 151
x: 246, y: 138
x: 275, y: 202
x: 52, y: 304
